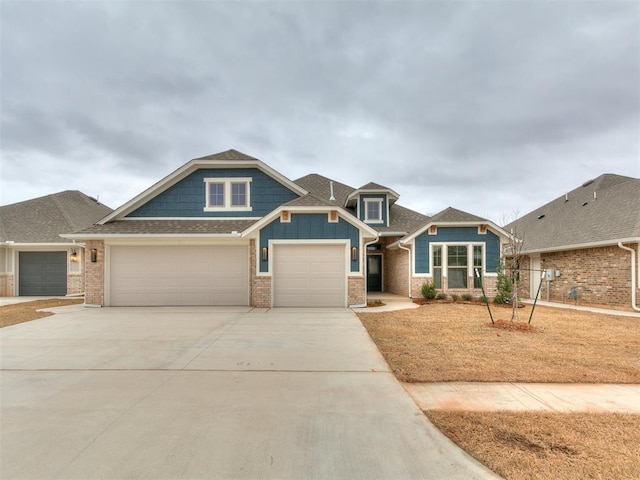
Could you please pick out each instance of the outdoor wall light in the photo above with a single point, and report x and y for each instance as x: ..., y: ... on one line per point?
x: 265, y: 254
x: 354, y: 254
x: 74, y: 256
x: 94, y: 255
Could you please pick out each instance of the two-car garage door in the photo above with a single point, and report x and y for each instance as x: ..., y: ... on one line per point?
x: 178, y: 275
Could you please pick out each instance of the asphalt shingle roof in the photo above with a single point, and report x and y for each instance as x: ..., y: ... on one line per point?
x: 403, y: 220
x: 168, y: 227
x: 454, y: 215
x: 579, y: 218
x: 43, y: 219
x: 320, y: 187
x: 233, y: 155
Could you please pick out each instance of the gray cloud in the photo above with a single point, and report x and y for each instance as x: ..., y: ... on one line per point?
x: 490, y: 107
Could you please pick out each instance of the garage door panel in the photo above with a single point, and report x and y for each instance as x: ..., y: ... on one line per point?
x: 308, y: 275
x: 185, y: 275
x: 42, y: 273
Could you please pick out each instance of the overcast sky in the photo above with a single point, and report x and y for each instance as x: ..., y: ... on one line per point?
x: 492, y: 107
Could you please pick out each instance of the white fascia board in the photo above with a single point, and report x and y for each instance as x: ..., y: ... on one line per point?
x: 582, y: 246
x: 492, y: 226
x: 309, y: 209
x: 187, y: 169
x: 379, y: 191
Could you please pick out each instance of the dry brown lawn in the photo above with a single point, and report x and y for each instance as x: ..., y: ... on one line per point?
x: 537, y: 445
x: 455, y: 342
x: 23, y: 312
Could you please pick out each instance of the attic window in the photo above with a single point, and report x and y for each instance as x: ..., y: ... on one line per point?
x: 373, y: 210
x: 540, y: 217
x: 224, y: 194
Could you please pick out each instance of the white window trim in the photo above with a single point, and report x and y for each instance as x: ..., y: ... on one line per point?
x: 227, y: 194
x: 445, y: 258
x: 366, y: 210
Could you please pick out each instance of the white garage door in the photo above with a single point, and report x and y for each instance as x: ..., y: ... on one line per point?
x: 309, y: 276
x: 185, y: 275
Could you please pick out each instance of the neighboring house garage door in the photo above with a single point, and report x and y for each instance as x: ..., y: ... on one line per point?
x: 309, y: 276
x: 184, y: 275
x: 42, y: 274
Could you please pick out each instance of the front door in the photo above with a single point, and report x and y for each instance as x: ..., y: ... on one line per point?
x: 374, y: 273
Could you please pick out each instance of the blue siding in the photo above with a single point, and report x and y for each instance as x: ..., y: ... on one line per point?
x: 187, y: 197
x: 384, y: 198
x: 309, y: 226
x: 458, y: 234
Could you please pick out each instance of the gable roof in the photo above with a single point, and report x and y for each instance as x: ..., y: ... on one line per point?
x: 601, y: 211
x: 217, y: 160
x: 43, y: 219
x: 453, y: 215
x: 229, y: 156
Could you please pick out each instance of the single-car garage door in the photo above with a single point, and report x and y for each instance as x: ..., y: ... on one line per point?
x: 179, y: 275
x: 42, y: 273
x: 309, y: 276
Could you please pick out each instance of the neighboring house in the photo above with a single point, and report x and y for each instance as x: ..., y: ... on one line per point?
x: 227, y: 229
x: 34, y: 259
x: 583, y: 239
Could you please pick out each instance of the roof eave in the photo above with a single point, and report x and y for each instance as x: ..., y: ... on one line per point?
x: 581, y: 246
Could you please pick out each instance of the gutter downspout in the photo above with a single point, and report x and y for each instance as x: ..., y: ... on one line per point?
x: 409, y: 266
x: 363, y: 305
x: 633, y: 276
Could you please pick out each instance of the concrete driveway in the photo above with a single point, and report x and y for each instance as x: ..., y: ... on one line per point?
x: 208, y: 393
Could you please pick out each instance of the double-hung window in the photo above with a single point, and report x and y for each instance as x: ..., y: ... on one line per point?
x: 373, y: 210
x: 457, y: 262
x: 477, y: 265
x: 224, y: 194
x: 437, y: 265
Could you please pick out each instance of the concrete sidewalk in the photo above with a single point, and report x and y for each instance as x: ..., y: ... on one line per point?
x: 553, y: 397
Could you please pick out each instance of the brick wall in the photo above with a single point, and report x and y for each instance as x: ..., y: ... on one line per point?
x: 6, y: 285
x: 94, y: 273
x: 75, y: 283
x: 259, y: 286
x: 395, y: 269
x: 488, y: 282
x: 601, y: 275
x: 356, y: 291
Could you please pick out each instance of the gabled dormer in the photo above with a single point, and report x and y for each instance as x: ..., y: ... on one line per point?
x: 371, y: 203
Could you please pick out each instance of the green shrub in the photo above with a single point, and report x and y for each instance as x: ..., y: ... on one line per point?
x: 483, y: 299
x: 455, y: 297
x: 467, y: 297
x: 429, y: 290
x: 504, y: 287
x: 441, y: 296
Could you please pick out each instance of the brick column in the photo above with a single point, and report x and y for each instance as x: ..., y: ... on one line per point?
x: 94, y: 274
